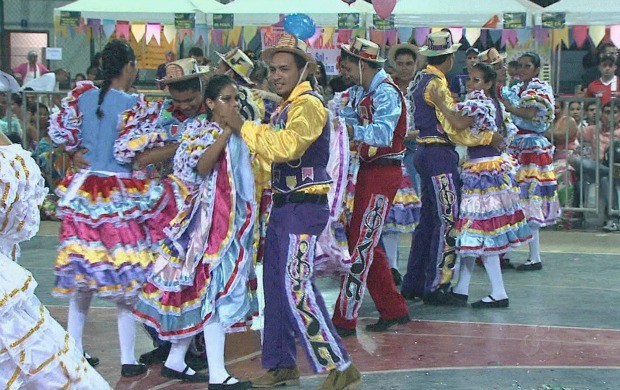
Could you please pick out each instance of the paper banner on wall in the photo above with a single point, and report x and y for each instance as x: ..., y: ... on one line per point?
x: 138, y: 30
x: 420, y: 35
x: 109, y: 26
x: 597, y: 33
x: 184, y: 32
x: 201, y: 31
x: 541, y: 35
x: 376, y: 36
x: 509, y: 36
x: 404, y: 34
x: 153, y: 30
x: 457, y: 34
x: 169, y: 32
x: 344, y: 36
x: 329, y: 58
x: 234, y: 36
x: 580, y: 34
x: 472, y: 34
x: 560, y: 36
x: 270, y: 36
x: 122, y: 30
x: 614, y: 35
x: 524, y: 35
x: 249, y: 32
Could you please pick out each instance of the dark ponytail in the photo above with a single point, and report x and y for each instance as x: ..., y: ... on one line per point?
x: 115, y: 55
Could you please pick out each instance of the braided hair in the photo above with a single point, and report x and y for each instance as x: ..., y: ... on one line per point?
x: 115, y: 55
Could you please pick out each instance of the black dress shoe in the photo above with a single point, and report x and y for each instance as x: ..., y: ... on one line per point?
x: 156, y: 356
x: 398, y: 278
x: 530, y: 266
x: 93, y: 360
x: 505, y: 263
x: 383, y: 325
x: 183, y: 375
x: 241, y: 385
x: 197, y: 363
x: 436, y: 298
x: 129, y: 370
x: 454, y: 299
x: 492, y: 304
x: 342, y: 332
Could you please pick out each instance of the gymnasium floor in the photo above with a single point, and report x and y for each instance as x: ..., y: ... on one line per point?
x: 561, y: 331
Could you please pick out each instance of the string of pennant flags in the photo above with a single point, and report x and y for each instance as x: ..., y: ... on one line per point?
x: 328, y: 37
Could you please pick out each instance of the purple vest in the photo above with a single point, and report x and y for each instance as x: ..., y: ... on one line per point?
x: 310, y: 169
x: 424, y: 115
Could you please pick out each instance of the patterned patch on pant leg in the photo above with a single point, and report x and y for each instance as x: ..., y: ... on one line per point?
x: 447, y: 210
x: 354, y: 287
x: 316, y: 336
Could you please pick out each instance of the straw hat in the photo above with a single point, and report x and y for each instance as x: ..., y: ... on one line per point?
x: 402, y: 47
x: 439, y: 43
x: 491, y: 56
x: 291, y: 44
x: 239, y: 62
x: 181, y: 70
x: 365, y: 50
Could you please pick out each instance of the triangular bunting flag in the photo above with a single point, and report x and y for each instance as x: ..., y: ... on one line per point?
x: 122, y: 30
x: 523, y: 35
x: 169, y: 32
x: 580, y: 34
x: 614, y: 35
x: 109, y: 26
x: 421, y: 33
x: 249, y: 32
x: 472, y: 34
x: 597, y: 33
x: 560, y: 36
x: 138, y: 30
x: 404, y: 34
x: 457, y: 34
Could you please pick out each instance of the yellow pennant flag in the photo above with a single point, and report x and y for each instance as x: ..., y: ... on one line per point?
x: 234, y: 35
x: 597, y: 33
x: 560, y: 36
x: 328, y: 36
x: 138, y: 30
x: 248, y: 33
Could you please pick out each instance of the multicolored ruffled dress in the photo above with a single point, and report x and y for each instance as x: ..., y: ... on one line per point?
x: 491, y: 220
x: 202, y: 271
x: 534, y: 152
x: 110, y: 219
x: 35, y: 351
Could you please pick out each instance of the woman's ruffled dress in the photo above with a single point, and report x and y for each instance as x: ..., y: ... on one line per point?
x: 203, y: 268
x: 35, y: 351
x: 111, y: 220
x: 491, y: 219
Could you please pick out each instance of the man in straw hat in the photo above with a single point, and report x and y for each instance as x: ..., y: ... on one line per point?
x: 239, y: 66
x: 376, y: 119
x: 150, y: 134
x: 433, y: 257
x: 297, y: 142
x: 494, y: 58
x: 403, y: 58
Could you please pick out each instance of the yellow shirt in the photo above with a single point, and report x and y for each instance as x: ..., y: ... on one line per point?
x: 305, y: 121
x: 461, y: 137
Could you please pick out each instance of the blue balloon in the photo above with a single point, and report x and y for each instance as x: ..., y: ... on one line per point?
x: 300, y: 25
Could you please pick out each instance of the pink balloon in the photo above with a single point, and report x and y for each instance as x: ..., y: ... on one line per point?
x: 384, y: 8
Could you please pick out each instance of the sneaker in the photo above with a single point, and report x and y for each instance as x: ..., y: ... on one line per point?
x: 348, y: 379
x: 611, y: 226
x: 278, y: 377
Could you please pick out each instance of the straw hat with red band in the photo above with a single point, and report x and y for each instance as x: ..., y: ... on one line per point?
x: 491, y: 56
x: 239, y: 62
x: 402, y: 48
x: 181, y: 70
x: 290, y: 44
x: 438, y: 44
x: 365, y: 50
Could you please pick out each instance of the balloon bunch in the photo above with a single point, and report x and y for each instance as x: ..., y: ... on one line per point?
x: 299, y: 25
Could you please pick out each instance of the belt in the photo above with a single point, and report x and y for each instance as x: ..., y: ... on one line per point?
x: 384, y: 162
x: 298, y: 197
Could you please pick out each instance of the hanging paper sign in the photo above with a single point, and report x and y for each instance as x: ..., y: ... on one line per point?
x: 514, y: 20
x: 184, y: 21
x: 348, y: 21
x: 223, y: 21
x: 70, y: 18
x: 383, y: 24
x: 53, y: 53
x: 554, y: 19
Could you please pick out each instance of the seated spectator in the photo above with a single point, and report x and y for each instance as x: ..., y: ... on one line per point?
x: 565, y: 142
x: 592, y: 156
x: 92, y: 73
x: 10, y: 122
x: 608, y: 85
x: 591, y: 112
x: 575, y: 111
x: 78, y: 77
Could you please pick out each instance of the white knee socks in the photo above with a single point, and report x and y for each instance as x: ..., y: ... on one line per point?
x: 467, y: 268
x: 79, y: 303
x: 215, y: 338
x: 126, y: 333
x: 390, y: 243
x: 535, y: 246
x: 176, y: 357
x: 494, y: 271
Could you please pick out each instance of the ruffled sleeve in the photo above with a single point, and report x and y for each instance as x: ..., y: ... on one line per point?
x: 139, y: 130
x: 481, y: 109
x: 537, y: 94
x: 65, y: 125
x: 199, y: 134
